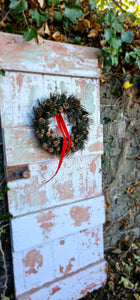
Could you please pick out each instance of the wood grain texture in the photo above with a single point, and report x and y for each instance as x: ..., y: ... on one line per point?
x: 48, y: 58
x: 19, y: 92
x: 57, y: 222
x: 22, y: 146
x: 57, y: 228
x: 75, y: 286
x: 50, y: 258
x: 79, y: 178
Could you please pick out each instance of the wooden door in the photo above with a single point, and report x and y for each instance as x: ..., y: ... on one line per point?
x: 56, y: 229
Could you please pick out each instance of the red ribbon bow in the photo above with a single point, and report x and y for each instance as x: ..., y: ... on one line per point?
x: 64, y: 131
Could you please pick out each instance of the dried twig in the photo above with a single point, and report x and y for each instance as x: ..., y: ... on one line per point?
x: 5, y: 270
x: 5, y: 16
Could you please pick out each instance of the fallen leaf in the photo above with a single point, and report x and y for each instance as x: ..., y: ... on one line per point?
x: 41, y: 3
x: 126, y: 282
x: 137, y: 183
x: 58, y: 36
x: 40, y: 40
x: 127, y: 85
x: 93, y: 33
x: 82, y: 25
x: 46, y: 29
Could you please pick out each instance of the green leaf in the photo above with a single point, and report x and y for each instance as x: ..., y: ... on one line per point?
x: 1, y: 196
x: 18, y: 6
x: 108, y: 17
x: 107, y: 164
x: 106, y: 120
x: 129, y: 56
x: 137, y: 51
x: 115, y: 42
x: 2, y: 72
x: 58, y: 16
x: 132, y: 16
x: 138, y: 61
x: 6, y: 189
x: 127, y: 36
x: 8, y: 28
x: 117, y: 25
x: 5, y: 216
x: 137, y: 257
x: 73, y: 13
x: 126, y: 282
x: 108, y: 34
x: 38, y: 17
x: 78, y: 40
x: 114, y: 60
x: 30, y: 34
x: 56, y: 2
x: 122, y: 17
x: 92, y: 4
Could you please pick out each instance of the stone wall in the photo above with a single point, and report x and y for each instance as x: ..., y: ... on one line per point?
x: 120, y: 114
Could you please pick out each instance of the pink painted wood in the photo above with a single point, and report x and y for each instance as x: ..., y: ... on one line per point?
x: 57, y: 232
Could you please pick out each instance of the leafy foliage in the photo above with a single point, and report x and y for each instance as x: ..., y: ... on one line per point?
x: 112, y: 26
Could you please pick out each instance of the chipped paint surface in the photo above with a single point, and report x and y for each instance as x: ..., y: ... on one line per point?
x: 80, y: 215
x: 33, y: 260
x: 57, y: 228
x: 50, y: 57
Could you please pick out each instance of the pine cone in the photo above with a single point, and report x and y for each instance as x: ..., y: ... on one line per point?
x: 74, y: 129
x: 56, y: 143
x: 85, y: 118
x: 48, y: 102
x: 45, y: 146
x: 39, y: 109
x: 41, y: 121
x: 79, y: 113
x: 39, y: 134
x: 47, y: 114
x: 54, y: 136
x: 51, y: 150
x: 60, y: 109
x: 65, y: 105
x: 48, y: 134
x: 58, y: 149
x: 72, y: 119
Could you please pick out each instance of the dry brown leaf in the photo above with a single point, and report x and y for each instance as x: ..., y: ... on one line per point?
x: 93, y: 33
x: 82, y: 25
x: 102, y: 42
x: 46, y: 29
x: 108, y: 203
x: 41, y: 31
x: 131, y: 123
x: 58, y: 36
x: 137, y: 183
x: 100, y: 64
x: 40, y: 40
x: 134, y: 104
x: 41, y: 3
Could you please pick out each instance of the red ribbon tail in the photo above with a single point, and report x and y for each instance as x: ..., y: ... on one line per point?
x: 64, y: 132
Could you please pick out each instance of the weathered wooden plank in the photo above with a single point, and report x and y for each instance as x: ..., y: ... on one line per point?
x: 74, y: 287
x: 58, y: 222
x: 48, y: 58
x: 56, y: 259
x: 78, y: 179
x: 19, y: 93
x: 22, y: 147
